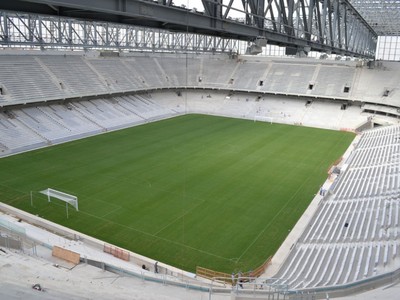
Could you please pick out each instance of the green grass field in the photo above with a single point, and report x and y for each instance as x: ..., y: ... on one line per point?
x: 190, y: 191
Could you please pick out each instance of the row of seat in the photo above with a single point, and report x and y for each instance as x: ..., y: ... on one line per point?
x: 30, y: 127
x: 373, y: 166
x: 53, y: 123
x: 355, y: 233
x: 372, y: 219
x: 368, y: 181
x: 46, y: 77
x: 335, y: 264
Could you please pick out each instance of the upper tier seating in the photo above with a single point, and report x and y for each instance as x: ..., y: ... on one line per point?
x: 75, y: 76
x: 22, y: 79
x: 33, y: 78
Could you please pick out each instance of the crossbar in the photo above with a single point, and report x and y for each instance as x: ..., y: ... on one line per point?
x: 62, y: 196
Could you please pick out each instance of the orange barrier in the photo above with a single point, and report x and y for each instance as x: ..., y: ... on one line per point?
x: 260, y: 270
x: 117, y: 252
x: 210, y: 274
x: 207, y: 273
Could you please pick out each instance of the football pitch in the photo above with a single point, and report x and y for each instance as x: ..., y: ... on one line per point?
x: 189, y: 191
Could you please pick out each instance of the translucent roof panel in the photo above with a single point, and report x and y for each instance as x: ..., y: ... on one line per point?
x: 382, y: 15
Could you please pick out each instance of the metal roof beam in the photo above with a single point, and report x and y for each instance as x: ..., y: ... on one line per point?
x: 289, y: 23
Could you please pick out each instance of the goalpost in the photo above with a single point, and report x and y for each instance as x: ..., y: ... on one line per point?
x: 263, y: 119
x: 67, y: 198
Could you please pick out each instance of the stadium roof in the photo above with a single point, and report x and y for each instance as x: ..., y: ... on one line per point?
x: 382, y: 15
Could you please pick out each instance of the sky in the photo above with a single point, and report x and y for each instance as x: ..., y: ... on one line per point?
x: 199, y: 6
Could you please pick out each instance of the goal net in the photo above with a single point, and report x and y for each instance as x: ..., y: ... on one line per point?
x: 263, y: 119
x: 71, y: 199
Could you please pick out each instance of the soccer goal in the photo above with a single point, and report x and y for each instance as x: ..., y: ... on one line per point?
x: 263, y: 119
x: 67, y: 198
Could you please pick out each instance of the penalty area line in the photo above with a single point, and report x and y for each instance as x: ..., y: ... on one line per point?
x: 157, y: 237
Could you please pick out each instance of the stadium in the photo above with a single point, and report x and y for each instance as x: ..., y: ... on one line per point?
x: 159, y: 150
